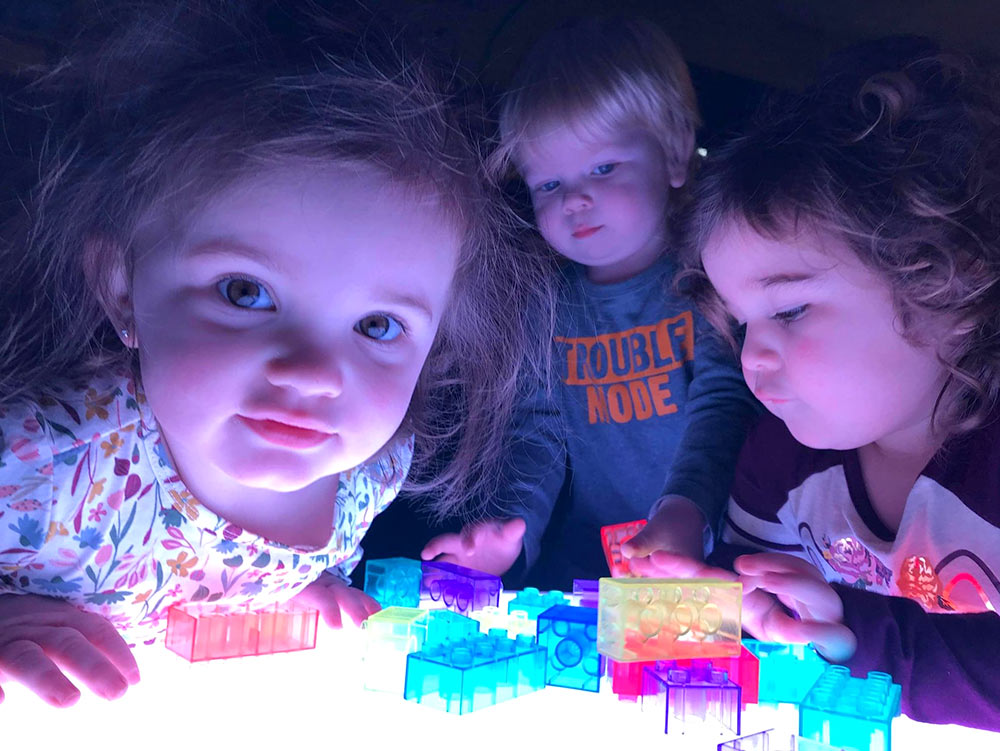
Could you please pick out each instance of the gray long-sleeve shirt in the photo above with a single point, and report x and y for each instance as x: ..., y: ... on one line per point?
x: 645, y: 401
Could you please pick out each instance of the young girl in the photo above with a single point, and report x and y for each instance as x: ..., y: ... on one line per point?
x: 257, y: 267
x: 648, y: 411
x: 854, y: 232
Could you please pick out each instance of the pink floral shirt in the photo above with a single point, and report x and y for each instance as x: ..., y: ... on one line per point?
x: 91, y: 511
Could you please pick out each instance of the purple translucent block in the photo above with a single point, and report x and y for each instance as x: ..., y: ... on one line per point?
x: 459, y: 588
x: 587, y: 591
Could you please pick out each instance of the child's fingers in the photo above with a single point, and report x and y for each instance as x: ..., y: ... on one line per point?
x: 672, y: 565
x: 640, y: 544
x: 814, y: 598
x: 450, y: 544
x: 757, y: 564
x: 358, y: 606
x: 107, y: 638
x: 26, y: 662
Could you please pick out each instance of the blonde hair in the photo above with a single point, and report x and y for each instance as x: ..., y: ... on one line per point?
x: 602, y: 74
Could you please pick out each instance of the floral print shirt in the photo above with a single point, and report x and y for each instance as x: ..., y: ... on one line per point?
x: 91, y: 511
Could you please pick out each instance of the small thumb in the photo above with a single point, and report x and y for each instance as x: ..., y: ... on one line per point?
x: 639, y: 545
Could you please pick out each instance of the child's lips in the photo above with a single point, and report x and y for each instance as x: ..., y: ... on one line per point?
x: 284, y: 434
x: 583, y: 232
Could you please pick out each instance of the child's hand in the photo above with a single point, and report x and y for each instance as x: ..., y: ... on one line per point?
x: 42, y: 636
x: 772, y: 577
x: 676, y: 527
x: 491, y: 545
x: 330, y: 595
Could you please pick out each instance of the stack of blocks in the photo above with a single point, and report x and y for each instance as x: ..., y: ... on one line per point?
x: 612, y: 537
x: 476, y: 672
x: 569, y: 634
x: 390, y: 635
x: 854, y: 712
x: 665, y: 619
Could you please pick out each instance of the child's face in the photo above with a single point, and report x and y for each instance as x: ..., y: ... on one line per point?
x: 823, y: 348
x: 599, y: 201
x: 281, y: 338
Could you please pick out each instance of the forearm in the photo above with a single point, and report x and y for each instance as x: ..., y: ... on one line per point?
x: 945, y: 663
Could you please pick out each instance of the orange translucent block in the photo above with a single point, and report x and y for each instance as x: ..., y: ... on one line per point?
x: 198, y: 631
x: 668, y: 619
x: 612, y: 537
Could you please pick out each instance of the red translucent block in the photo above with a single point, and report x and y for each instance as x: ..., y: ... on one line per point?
x: 199, y: 632
x: 612, y: 537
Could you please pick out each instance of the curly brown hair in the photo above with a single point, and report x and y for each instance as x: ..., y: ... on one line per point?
x: 163, y: 103
x: 896, y: 152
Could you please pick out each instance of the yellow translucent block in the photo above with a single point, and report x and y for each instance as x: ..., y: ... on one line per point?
x: 668, y: 619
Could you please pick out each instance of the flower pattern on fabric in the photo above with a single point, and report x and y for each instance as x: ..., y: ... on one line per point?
x: 919, y: 581
x: 856, y: 563
x: 92, y: 512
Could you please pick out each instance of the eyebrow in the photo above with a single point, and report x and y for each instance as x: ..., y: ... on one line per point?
x: 415, y: 303
x: 232, y: 248
x: 774, y: 280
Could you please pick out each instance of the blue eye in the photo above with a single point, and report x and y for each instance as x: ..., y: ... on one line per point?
x: 245, y: 293
x: 548, y: 187
x: 604, y: 169
x: 790, y: 315
x: 379, y: 326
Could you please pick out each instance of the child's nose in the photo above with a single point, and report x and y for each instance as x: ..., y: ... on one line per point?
x: 758, y: 355
x: 309, y: 369
x: 576, y: 200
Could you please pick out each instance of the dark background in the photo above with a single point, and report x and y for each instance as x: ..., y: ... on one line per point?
x: 737, y: 50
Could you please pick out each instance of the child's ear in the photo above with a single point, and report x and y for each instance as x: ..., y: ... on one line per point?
x: 679, y: 163
x: 106, y: 275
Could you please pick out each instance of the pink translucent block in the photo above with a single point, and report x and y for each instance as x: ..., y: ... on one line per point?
x: 612, y: 537
x: 198, y: 631
x: 625, y: 678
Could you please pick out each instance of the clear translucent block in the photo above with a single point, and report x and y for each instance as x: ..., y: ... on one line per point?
x: 480, y: 671
x: 390, y: 635
x: 533, y: 602
x: 514, y: 623
x: 786, y: 671
x: 394, y: 581
x: 842, y: 710
x: 743, y: 670
x: 700, y: 700
x: 207, y: 631
x: 771, y: 740
x: 612, y: 537
x: 458, y: 588
x: 663, y: 619
x: 569, y: 634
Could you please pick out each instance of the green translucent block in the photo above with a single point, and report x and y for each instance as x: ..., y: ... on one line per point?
x: 668, y: 619
x: 477, y: 672
x: 569, y: 634
x: 534, y: 603
x: 390, y: 635
x: 849, y: 712
x: 447, y: 625
x: 787, y: 671
x: 394, y: 581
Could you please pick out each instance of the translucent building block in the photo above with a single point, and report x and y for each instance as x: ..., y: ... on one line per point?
x: 458, y: 588
x: 533, y: 602
x: 692, y: 699
x: 515, y: 623
x: 585, y: 592
x: 447, y: 625
x: 394, y: 581
x: 664, y: 619
x: 612, y: 537
x: 854, y: 712
x: 569, y: 633
x: 625, y: 679
x: 477, y: 672
x: 390, y: 635
x: 767, y: 740
x: 786, y: 671
x: 200, y: 631
x: 743, y: 670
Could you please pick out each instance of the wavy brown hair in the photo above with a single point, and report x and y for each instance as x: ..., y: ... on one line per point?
x: 896, y: 152
x: 163, y: 103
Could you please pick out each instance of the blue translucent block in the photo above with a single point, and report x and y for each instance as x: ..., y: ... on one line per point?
x: 394, y: 581
x: 787, y: 671
x: 850, y: 712
x: 458, y: 588
x: 533, y: 602
x: 390, y: 635
x: 693, y: 698
x: 447, y: 625
x: 569, y: 633
x: 477, y: 672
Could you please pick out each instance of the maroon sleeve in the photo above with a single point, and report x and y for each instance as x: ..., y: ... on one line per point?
x: 947, y: 664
